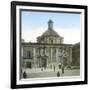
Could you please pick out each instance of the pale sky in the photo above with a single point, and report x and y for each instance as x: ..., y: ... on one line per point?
x: 66, y: 25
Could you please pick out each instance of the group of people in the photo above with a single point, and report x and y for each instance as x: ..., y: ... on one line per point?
x: 60, y: 71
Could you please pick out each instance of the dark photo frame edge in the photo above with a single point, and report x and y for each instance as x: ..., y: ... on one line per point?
x: 13, y: 44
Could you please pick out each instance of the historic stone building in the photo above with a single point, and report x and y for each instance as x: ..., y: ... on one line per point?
x: 48, y: 52
x: 76, y: 54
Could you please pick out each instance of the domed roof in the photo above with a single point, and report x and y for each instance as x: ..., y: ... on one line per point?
x: 50, y: 33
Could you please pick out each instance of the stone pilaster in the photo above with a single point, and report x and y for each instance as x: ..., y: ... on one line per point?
x: 70, y: 55
x: 34, y: 57
x: 57, y: 55
x: 51, y: 55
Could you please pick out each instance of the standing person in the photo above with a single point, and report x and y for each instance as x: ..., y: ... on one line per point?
x: 58, y: 74
x: 54, y: 68
x: 24, y: 74
x: 59, y: 66
x: 62, y: 69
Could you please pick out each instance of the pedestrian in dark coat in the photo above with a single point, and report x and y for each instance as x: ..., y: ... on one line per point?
x: 54, y: 68
x: 24, y: 74
x: 58, y: 74
x: 62, y: 69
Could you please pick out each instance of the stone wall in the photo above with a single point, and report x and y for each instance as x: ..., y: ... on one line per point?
x: 47, y: 55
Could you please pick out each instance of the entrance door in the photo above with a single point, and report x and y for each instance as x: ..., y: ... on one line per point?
x: 28, y: 65
x: 44, y: 63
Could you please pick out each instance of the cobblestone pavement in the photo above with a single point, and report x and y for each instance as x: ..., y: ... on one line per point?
x: 38, y: 73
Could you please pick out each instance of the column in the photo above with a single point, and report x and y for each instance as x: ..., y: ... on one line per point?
x: 51, y: 55
x: 70, y: 55
x: 57, y: 62
x: 22, y: 56
x: 57, y: 55
x: 39, y: 54
x: 21, y: 63
x: 62, y: 55
x: 34, y: 57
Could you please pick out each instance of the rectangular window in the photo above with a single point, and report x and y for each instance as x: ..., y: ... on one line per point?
x: 29, y: 55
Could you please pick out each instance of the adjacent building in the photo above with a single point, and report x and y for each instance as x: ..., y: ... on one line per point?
x: 76, y: 54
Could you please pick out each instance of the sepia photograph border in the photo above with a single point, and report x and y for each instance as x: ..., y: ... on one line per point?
x: 15, y: 74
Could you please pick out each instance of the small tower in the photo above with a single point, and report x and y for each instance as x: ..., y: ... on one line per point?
x: 50, y: 25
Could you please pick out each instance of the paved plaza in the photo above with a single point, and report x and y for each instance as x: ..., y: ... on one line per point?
x: 38, y: 73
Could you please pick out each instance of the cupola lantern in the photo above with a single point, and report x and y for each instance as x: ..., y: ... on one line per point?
x: 50, y: 25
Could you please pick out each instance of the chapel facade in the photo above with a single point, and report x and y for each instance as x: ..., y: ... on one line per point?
x: 49, y: 51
